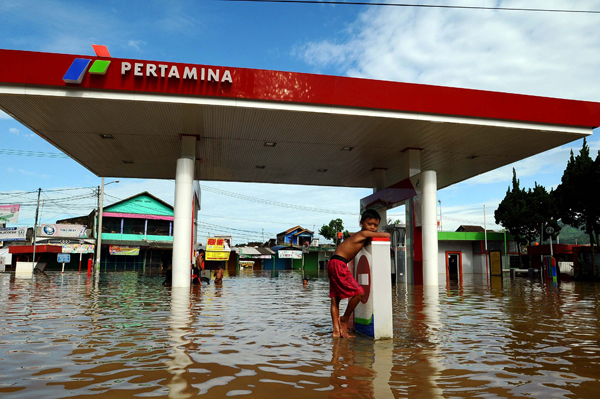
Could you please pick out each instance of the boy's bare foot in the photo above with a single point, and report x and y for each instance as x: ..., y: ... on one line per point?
x: 336, y: 329
x: 344, y: 328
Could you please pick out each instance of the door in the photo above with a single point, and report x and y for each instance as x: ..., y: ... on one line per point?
x: 453, y: 266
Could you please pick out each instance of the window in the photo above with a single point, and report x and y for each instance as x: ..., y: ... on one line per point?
x: 158, y: 227
x: 111, y: 225
x: 134, y: 226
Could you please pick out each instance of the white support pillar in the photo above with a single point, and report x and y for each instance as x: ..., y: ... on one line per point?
x: 379, y: 184
x: 182, y: 220
x: 429, y: 224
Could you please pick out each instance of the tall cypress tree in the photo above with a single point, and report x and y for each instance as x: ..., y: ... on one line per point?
x: 513, y: 213
x: 577, y: 195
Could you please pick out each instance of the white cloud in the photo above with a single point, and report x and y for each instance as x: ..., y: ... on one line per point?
x: 18, y: 132
x: 550, y: 54
x: 136, y: 44
x: 29, y: 173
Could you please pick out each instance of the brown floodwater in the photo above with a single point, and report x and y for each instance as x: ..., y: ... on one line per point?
x: 125, y: 335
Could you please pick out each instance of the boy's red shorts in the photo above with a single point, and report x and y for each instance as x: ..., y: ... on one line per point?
x: 341, y: 282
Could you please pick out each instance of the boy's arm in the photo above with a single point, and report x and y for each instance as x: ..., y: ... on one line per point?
x: 375, y: 234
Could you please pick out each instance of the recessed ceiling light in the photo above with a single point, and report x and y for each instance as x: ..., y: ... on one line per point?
x: 322, y: 170
x: 270, y: 144
x: 347, y: 148
x: 106, y: 136
x: 260, y: 166
x: 127, y: 161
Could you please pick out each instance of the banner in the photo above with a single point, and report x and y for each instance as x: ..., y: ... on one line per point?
x: 246, y: 263
x: 9, y: 213
x: 255, y: 256
x: 218, y: 244
x: 217, y: 255
x: 76, y: 248
x: 290, y: 254
x: 13, y: 233
x: 62, y: 230
x: 128, y: 251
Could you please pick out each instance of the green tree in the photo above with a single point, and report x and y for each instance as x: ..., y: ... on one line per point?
x: 576, y: 195
x: 513, y: 214
x: 543, y: 213
x: 330, y: 231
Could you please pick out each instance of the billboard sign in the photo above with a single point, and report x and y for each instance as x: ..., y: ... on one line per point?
x: 9, y: 213
x: 62, y: 230
x: 13, y: 233
x: 218, y: 244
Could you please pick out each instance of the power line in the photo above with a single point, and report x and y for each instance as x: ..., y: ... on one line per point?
x: 366, y: 3
x: 37, y: 154
x: 273, y: 203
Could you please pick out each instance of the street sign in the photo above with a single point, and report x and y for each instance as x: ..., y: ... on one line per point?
x: 305, y: 248
x: 64, y: 258
x: 549, y: 230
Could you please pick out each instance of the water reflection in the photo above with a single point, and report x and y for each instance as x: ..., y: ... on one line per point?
x: 179, y: 323
x: 125, y: 335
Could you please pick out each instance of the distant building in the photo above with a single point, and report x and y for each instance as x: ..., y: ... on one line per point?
x: 295, y: 236
x: 462, y: 254
x: 137, y: 233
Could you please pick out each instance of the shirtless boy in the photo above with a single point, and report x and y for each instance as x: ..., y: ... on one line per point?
x: 219, y: 275
x: 341, y: 283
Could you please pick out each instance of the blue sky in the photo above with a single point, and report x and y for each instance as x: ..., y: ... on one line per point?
x: 549, y: 54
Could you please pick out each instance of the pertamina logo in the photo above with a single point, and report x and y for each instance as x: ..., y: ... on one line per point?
x: 80, y: 66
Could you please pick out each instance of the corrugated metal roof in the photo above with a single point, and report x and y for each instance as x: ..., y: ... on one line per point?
x: 249, y: 251
x: 231, y: 140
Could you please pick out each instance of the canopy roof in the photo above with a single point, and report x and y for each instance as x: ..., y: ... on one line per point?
x: 324, y: 130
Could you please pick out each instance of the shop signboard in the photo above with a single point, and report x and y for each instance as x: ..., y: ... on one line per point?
x: 9, y: 213
x: 77, y: 248
x: 13, y: 233
x: 127, y: 251
x: 255, y: 256
x: 246, y: 263
x: 290, y: 254
x: 62, y: 230
x: 217, y: 244
x: 214, y: 255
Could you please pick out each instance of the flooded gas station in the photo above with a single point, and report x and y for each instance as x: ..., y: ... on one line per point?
x: 125, y: 335
x: 264, y: 334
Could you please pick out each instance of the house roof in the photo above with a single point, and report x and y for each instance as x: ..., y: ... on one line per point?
x: 278, y: 248
x: 304, y: 231
x: 249, y: 251
x: 290, y: 230
x: 143, y: 193
x: 470, y: 229
x: 265, y: 251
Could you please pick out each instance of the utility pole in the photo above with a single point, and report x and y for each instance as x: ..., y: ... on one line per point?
x: 440, y: 201
x: 486, y: 247
x: 37, y: 209
x: 99, y: 228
